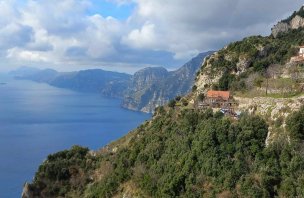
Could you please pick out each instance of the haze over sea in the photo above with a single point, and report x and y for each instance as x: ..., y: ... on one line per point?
x: 37, y: 119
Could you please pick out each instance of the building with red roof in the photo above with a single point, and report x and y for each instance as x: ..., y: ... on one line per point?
x: 218, y: 95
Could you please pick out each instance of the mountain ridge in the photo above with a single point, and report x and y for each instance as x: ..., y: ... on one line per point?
x: 295, y: 21
x: 147, y: 89
x: 173, y: 83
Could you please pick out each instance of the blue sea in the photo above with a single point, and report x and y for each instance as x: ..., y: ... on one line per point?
x: 37, y: 119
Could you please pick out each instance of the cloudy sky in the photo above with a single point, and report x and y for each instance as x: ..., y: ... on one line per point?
x: 126, y: 35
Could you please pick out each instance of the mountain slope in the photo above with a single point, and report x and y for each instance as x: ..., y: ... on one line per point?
x: 295, y: 21
x: 95, y: 80
x: 144, y: 91
x: 145, y: 95
x: 181, y: 154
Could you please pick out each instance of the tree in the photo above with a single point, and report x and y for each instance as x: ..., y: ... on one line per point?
x: 273, y: 70
x: 201, y: 97
x: 258, y: 82
x: 226, y: 81
x: 194, y: 88
x: 178, y: 98
x: 295, y: 125
x: 172, y: 103
x: 250, y: 80
x: 185, y: 102
x: 294, y: 72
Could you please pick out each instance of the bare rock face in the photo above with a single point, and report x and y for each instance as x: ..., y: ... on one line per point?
x: 26, y: 192
x: 270, y: 108
x: 208, y: 76
x: 280, y: 28
x: 243, y: 64
x: 154, y: 87
x: 297, y: 22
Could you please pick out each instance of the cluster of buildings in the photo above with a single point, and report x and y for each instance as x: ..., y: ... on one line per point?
x: 221, y: 100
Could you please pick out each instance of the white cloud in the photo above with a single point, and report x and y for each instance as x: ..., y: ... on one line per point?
x: 24, y: 55
x: 145, y: 37
x: 58, y: 28
x: 63, y: 34
x: 184, y: 27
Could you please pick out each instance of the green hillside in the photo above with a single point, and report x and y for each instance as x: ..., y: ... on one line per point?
x: 184, y: 154
x: 261, y: 57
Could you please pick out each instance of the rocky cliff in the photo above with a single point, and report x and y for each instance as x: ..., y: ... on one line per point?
x: 295, y: 21
x: 153, y: 87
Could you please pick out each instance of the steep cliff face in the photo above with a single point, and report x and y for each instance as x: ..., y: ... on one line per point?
x: 154, y: 87
x: 147, y: 77
x: 295, y: 21
x: 139, y: 95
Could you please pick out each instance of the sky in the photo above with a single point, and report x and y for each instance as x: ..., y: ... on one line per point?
x: 127, y: 35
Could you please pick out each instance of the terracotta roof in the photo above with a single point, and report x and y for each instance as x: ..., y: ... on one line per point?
x: 218, y: 94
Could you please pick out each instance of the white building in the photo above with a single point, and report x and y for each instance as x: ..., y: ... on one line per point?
x: 301, y: 52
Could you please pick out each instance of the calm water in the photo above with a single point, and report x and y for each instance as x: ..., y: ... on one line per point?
x: 37, y: 119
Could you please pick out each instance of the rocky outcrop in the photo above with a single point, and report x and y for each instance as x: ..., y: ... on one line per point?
x: 26, y: 192
x: 243, y: 64
x: 208, y: 76
x: 280, y: 28
x: 141, y: 95
x: 148, y: 76
x: 272, y: 109
x: 153, y: 87
x: 296, y: 21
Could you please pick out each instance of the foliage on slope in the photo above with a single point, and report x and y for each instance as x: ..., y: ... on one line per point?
x: 65, y: 173
x: 252, y: 55
x: 193, y: 154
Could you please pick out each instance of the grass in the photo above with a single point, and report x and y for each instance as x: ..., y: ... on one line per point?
x: 258, y: 93
x: 280, y: 88
x: 284, y: 95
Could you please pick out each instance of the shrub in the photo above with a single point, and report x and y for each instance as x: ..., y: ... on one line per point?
x: 172, y: 103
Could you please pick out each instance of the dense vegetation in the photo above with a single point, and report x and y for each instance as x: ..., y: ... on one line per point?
x: 192, y: 154
x: 63, y: 173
